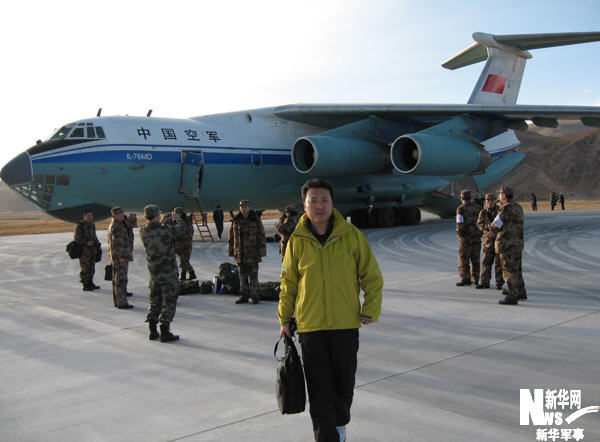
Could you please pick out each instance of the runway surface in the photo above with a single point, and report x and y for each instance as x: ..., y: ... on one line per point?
x: 443, y: 364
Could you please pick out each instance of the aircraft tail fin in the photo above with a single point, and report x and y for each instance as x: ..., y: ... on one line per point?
x: 506, y: 55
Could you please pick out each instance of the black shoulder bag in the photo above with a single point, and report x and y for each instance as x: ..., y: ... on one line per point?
x: 290, y: 390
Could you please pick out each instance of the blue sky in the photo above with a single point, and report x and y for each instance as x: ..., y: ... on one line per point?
x: 63, y: 59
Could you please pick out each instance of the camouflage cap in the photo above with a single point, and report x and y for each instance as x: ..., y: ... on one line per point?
x: 466, y: 194
x: 116, y: 210
x: 490, y: 196
x: 244, y: 203
x: 508, y: 191
x: 151, y: 210
x: 289, y: 209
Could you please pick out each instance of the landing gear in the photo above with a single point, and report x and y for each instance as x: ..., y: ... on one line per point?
x: 385, y: 217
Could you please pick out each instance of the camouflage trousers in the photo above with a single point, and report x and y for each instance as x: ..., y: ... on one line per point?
x: 119, y: 282
x: 163, y: 301
x: 87, y: 265
x: 468, y: 259
x: 488, y: 260
x: 511, y: 261
x: 249, y: 280
x: 184, y: 261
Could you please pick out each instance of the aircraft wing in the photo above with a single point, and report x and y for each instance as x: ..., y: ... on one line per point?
x: 335, y: 115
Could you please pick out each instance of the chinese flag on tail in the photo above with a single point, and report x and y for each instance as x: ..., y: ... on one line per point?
x: 494, y: 84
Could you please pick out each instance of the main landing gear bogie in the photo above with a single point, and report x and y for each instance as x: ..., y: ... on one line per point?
x: 385, y: 217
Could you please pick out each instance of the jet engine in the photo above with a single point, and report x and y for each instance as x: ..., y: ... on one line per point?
x: 424, y: 154
x: 325, y: 155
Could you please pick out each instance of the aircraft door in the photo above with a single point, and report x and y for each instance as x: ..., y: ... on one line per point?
x: 191, y: 173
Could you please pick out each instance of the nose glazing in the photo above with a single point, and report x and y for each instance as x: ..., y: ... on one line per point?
x: 17, y: 171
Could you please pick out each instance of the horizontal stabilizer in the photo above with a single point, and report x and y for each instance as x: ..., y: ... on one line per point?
x: 477, y: 52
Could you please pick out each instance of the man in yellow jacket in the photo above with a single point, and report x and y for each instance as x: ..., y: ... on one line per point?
x: 326, y: 263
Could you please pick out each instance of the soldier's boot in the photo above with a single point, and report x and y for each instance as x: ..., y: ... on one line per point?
x: 242, y: 299
x: 508, y: 301
x: 182, y: 276
x: 523, y: 295
x: 94, y: 286
x: 192, y: 275
x: 166, y: 335
x: 499, y: 286
x: 463, y: 283
x: 153, y: 331
x: 87, y: 288
x: 255, y: 298
x: 483, y: 285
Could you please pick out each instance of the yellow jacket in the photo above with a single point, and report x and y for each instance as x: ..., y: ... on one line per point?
x: 321, y: 284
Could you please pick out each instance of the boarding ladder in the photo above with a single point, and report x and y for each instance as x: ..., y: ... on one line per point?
x: 198, y: 217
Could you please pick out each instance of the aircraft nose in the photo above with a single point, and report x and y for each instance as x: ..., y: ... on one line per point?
x: 17, y: 171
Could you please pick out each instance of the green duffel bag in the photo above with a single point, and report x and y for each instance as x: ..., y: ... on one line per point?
x: 189, y: 287
x: 269, y: 291
x: 206, y: 287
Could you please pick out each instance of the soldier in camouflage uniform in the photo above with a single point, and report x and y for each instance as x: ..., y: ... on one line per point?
x: 120, y: 253
x: 85, y: 235
x: 484, y: 222
x: 183, y: 245
x: 469, y: 240
x: 158, y: 239
x: 247, y: 244
x: 131, y: 223
x: 285, y: 227
x: 509, y: 245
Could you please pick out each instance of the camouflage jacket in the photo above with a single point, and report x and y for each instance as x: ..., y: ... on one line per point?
x: 285, y: 227
x: 129, y: 228
x: 158, y: 240
x: 509, y: 228
x: 466, y: 221
x: 247, y: 242
x: 85, y: 232
x: 119, y: 241
x: 484, y: 222
x: 183, y: 243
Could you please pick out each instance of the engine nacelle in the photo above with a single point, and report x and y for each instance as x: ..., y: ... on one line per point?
x: 329, y: 156
x: 422, y: 154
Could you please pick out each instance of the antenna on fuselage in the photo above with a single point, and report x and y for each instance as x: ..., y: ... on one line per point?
x: 149, y: 112
x: 99, y: 112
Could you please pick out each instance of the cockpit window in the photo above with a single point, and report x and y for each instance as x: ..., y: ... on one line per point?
x: 61, y: 133
x: 77, y: 133
x: 87, y: 131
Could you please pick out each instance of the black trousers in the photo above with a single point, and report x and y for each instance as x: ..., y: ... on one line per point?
x: 329, y: 358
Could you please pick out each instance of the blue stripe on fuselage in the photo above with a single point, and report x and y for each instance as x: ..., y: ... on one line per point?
x: 134, y: 156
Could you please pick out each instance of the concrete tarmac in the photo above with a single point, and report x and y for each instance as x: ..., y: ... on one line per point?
x: 443, y: 364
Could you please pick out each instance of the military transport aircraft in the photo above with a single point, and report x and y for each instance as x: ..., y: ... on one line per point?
x: 385, y: 161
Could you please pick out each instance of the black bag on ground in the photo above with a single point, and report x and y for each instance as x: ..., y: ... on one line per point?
x: 290, y: 389
x: 74, y: 250
x: 229, y: 276
x: 108, y: 272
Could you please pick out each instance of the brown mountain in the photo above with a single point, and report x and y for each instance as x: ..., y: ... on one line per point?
x: 563, y: 164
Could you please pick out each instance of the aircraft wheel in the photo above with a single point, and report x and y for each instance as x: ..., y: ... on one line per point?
x: 412, y: 216
x: 355, y: 217
x: 385, y: 217
x: 399, y: 216
x: 372, y: 218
